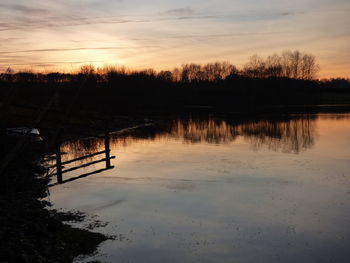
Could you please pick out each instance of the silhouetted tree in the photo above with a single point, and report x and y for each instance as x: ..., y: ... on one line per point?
x: 309, y: 67
x: 255, y: 67
x: 273, y: 66
x: 291, y: 64
x: 165, y: 75
x: 8, y: 75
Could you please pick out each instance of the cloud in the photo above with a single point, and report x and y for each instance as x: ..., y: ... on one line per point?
x: 51, y: 63
x: 69, y: 49
x: 81, y: 21
x: 215, y: 36
x: 25, y: 9
x: 179, y: 12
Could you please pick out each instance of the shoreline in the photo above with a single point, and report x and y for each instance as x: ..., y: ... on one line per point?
x: 30, y: 231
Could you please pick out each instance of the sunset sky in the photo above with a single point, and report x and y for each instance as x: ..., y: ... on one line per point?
x: 64, y: 34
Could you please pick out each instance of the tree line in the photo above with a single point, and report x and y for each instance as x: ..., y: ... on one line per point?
x: 290, y: 64
x: 286, y: 79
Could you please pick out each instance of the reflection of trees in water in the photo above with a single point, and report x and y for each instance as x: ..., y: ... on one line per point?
x: 210, y: 131
x: 77, y: 148
x: 291, y: 134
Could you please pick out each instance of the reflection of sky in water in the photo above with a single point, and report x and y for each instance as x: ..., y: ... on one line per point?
x: 223, y: 201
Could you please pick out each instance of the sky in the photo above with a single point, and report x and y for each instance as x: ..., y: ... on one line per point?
x: 46, y: 35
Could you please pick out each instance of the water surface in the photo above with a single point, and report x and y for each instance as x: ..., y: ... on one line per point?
x: 214, y: 189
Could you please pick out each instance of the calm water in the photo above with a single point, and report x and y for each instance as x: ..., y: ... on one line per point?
x: 216, y: 190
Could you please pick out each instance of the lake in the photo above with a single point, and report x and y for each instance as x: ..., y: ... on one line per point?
x: 217, y: 189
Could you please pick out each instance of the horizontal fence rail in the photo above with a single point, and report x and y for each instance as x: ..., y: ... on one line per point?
x: 60, y: 165
x: 85, y: 165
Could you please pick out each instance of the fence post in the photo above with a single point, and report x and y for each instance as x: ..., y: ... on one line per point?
x: 58, y: 162
x: 107, y: 149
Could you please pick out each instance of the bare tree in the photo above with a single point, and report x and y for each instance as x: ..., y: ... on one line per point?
x: 295, y: 60
x: 255, y: 67
x: 273, y: 66
x: 309, y: 67
x: 218, y: 70
x: 165, y: 75
x: 291, y: 64
x: 176, y: 74
x: 87, y: 69
x: 191, y: 72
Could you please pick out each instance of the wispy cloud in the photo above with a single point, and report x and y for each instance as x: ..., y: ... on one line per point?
x: 70, y: 49
x: 216, y: 36
x: 52, y: 63
x: 25, y: 9
x: 178, y: 12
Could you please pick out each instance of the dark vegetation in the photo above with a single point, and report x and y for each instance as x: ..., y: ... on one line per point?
x: 29, y: 232
x: 278, y: 80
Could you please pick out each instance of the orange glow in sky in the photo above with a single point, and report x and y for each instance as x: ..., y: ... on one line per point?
x: 63, y: 35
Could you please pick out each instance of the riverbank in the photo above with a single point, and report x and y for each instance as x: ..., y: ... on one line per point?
x: 29, y: 230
